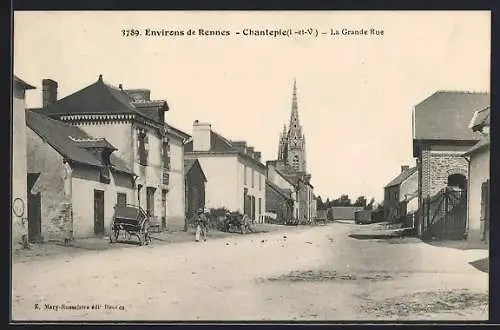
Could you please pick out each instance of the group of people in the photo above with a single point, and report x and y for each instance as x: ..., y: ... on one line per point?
x: 201, y: 223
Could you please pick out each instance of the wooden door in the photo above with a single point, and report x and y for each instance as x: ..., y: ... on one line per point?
x: 99, y: 212
x: 34, y: 211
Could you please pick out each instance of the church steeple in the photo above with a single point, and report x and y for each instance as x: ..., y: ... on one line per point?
x: 294, y: 115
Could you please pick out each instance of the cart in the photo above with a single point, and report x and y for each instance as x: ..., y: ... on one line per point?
x: 130, y: 220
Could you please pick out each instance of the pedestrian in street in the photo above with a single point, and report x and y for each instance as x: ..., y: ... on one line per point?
x: 201, y: 225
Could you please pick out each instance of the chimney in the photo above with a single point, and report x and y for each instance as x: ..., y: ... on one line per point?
x: 404, y: 168
x: 201, y: 136
x: 240, y: 145
x: 140, y: 94
x: 257, y: 156
x: 250, y: 151
x: 49, y: 92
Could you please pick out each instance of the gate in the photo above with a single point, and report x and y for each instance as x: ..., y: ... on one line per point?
x: 445, y: 215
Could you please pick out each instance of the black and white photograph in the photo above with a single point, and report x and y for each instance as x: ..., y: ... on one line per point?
x: 243, y: 166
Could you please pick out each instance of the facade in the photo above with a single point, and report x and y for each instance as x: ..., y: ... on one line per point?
x: 478, y: 203
x: 398, y: 192
x: 440, y: 137
x: 195, y: 180
x: 131, y: 122
x: 75, y: 181
x: 175, y: 198
x: 19, y: 198
x: 235, y: 175
x: 292, y: 163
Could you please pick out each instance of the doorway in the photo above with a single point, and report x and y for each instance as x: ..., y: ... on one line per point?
x: 34, y: 211
x: 99, y: 212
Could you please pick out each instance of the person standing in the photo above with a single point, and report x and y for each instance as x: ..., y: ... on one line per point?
x: 201, y: 225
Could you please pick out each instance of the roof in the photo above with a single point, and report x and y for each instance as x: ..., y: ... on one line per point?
x: 283, y: 192
x: 445, y: 115
x: 480, y: 119
x: 72, y: 142
x: 481, y: 145
x: 177, y: 132
x: 102, y: 98
x: 401, y: 177
x: 22, y: 83
x: 219, y: 144
x: 190, y: 163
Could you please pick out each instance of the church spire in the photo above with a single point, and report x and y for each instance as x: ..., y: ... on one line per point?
x: 294, y: 115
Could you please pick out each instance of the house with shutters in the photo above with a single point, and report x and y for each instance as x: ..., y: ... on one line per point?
x: 440, y: 137
x: 134, y: 124
x: 478, y: 157
x: 234, y: 172
x: 74, y: 180
x: 19, y: 198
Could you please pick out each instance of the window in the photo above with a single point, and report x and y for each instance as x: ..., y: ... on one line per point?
x: 139, y: 187
x: 150, y: 201
x: 166, y: 162
x: 253, y: 177
x: 245, y: 174
x: 121, y: 199
x: 295, y: 161
x: 260, y: 181
x: 260, y: 206
x: 142, y: 147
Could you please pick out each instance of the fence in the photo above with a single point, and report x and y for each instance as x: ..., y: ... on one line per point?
x: 445, y: 215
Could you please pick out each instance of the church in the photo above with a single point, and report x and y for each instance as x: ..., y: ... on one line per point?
x: 291, y: 165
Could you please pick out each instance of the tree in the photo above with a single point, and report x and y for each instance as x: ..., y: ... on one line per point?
x: 345, y: 200
x: 319, y: 203
x: 369, y: 206
x: 361, y: 201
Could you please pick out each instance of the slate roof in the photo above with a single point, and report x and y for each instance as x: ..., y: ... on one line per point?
x: 22, y: 83
x: 102, y: 98
x: 190, y: 163
x: 401, y: 177
x: 445, y: 115
x: 480, y: 119
x: 177, y: 131
x: 219, y: 144
x: 72, y: 142
x: 482, y: 144
x: 283, y: 192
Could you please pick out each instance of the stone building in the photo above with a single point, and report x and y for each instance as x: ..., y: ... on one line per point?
x: 440, y: 137
x: 130, y: 121
x: 74, y: 181
x: 19, y: 198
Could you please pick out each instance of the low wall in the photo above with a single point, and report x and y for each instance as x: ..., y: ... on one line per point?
x: 363, y: 216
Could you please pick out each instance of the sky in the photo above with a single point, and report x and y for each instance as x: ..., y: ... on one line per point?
x: 355, y: 92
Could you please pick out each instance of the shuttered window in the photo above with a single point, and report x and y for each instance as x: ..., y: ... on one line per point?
x: 142, y: 147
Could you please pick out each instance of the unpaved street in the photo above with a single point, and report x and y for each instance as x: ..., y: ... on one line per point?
x: 303, y: 273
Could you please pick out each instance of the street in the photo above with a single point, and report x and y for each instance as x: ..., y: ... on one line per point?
x: 298, y: 273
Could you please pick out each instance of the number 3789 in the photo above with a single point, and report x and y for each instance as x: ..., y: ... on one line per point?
x: 130, y: 33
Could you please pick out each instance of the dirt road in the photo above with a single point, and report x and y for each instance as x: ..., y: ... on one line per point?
x: 304, y: 273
